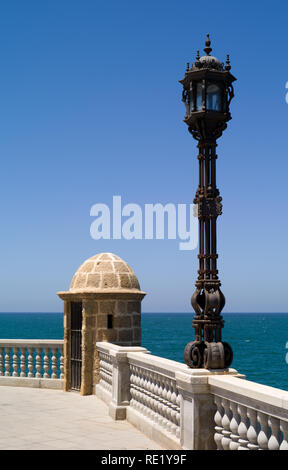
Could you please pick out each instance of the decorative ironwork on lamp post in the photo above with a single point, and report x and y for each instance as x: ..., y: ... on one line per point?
x: 207, y: 93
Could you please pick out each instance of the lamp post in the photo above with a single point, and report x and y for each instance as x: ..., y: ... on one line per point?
x: 207, y: 93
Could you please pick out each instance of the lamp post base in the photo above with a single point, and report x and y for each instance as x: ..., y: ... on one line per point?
x: 201, y: 354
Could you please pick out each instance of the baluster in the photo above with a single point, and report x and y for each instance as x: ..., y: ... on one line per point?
x: 132, y: 386
x: 156, y: 398
x: 263, y: 434
x: 101, y: 369
x: 274, y: 441
x: 1, y: 361
x: 166, y: 410
x: 158, y: 403
x: 38, y: 363
x: 174, y: 408
x: 15, y: 362
x: 178, y: 416
x: 145, y: 396
x: 243, y: 427
x: 218, y: 420
x: 252, y: 430
x: 165, y: 390
x: 137, y: 394
x: 165, y: 401
x: 54, y: 363
x: 110, y: 375
x: 148, y: 395
x: 23, y: 362
x: 143, y: 392
x: 30, y: 362
x: 7, y: 362
x: 46, y: 363
x: 153, y: 402
x: 226, y: 425
x: 166, y: 395
x: 153, y: 397
x: 136, y: 403
x: 284, y: 429
x: 104, y: 371
x: 171, y: 408
x: 61, y: 365
x: 140, y: 382
x: 172, y: 411
x: 163, y: 408
x: 234, y: 424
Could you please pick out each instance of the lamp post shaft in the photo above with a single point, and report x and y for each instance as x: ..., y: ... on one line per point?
x: 207, y: 95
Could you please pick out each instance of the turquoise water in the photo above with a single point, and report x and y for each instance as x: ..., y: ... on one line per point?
x: 258, y: 340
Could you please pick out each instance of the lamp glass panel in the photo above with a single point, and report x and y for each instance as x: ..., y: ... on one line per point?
x: 213, y: 97
x: 198, y: 96
x: 191, y: 101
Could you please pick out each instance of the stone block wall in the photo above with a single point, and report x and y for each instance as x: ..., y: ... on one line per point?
x: 126, y: 322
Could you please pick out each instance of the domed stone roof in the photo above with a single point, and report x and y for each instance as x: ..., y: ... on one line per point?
x: 210, y: 62
x: 104, y: 272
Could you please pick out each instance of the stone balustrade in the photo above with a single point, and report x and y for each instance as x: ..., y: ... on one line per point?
x: 141, y: 388
x: 155, y: 395
x: 105, y: 372
x: 32, y: 363
x: 164, y: 399
x: 249, y: 416
x: 155, y: 400
x: 182, y: 408
x: 178, y: 407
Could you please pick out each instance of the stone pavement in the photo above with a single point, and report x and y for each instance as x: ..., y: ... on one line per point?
x: 34, y: 419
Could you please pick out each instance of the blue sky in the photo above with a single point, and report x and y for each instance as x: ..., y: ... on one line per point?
x: 90, y: 107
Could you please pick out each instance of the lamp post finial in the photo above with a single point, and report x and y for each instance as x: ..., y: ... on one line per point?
x: 228, y: 66
x: 207, y: 49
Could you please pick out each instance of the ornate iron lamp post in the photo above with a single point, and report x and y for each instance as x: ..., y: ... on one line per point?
x: 207, y: 93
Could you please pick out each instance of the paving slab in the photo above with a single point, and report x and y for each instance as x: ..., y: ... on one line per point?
x: 34, y: 419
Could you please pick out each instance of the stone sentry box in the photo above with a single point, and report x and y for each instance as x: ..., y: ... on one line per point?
x: 106, y: 293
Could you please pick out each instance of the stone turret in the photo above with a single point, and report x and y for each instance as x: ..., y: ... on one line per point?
x: 103, y: 304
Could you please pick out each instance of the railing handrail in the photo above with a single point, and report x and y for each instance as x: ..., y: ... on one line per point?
x: 108, y: 347
x: 33, y: 342
x: 139, y: 355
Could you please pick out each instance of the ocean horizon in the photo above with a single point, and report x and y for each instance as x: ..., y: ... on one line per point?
x: 259, y: 340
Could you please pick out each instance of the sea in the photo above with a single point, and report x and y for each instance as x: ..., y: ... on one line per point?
x: 259, y: 340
